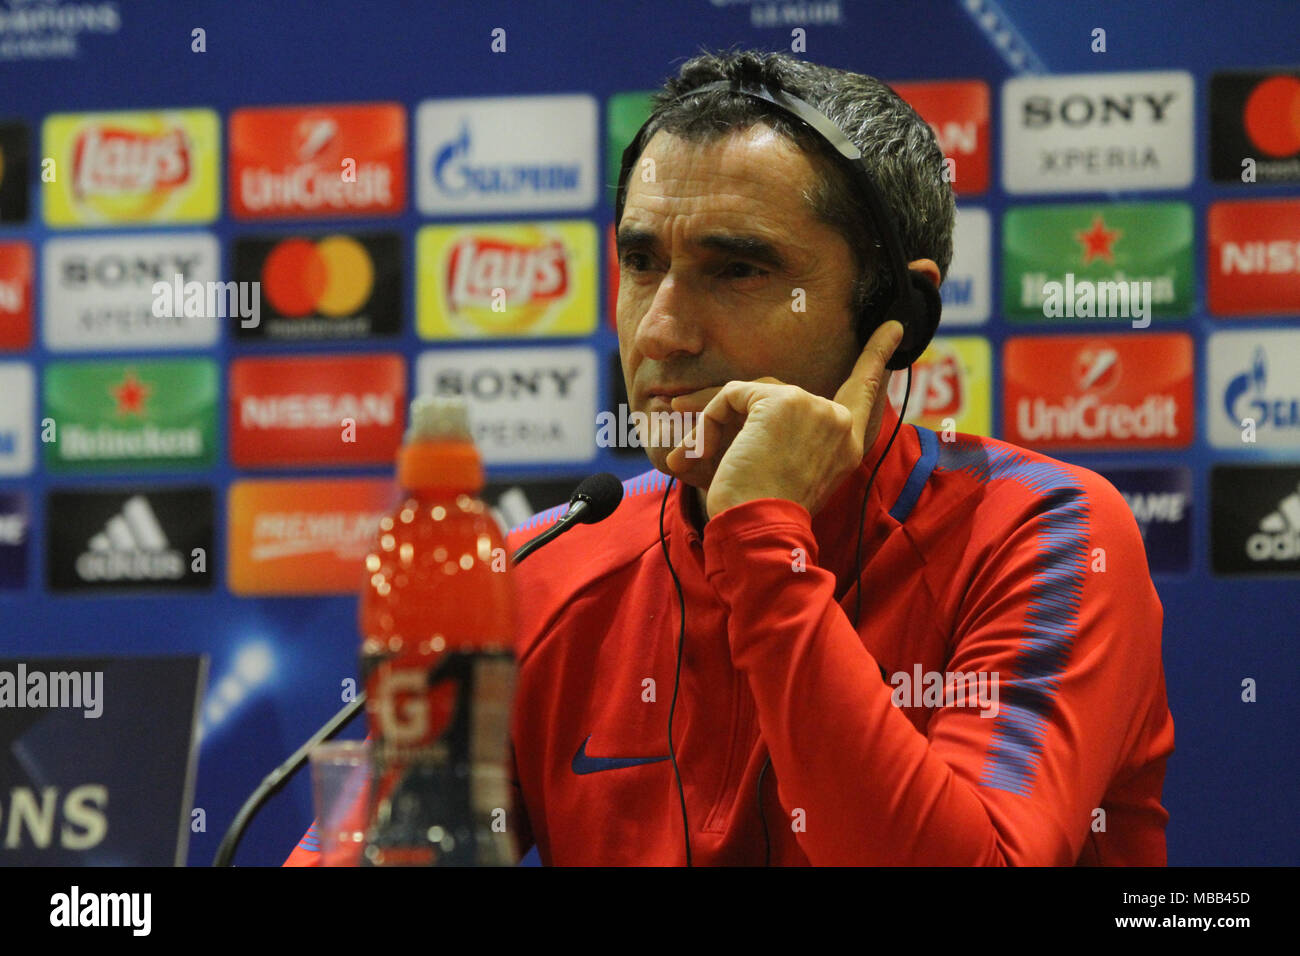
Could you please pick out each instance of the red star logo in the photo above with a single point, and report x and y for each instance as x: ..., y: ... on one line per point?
x: 130, y: 395
x: 1097, y: 241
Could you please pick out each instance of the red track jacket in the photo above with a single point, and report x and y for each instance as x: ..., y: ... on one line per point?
x: 1002, y: 702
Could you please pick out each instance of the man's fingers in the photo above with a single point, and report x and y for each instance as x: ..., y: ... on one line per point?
x: 694, y: 401
x: 696, y: 457
x: 716, y: 425
x: 859, y: 391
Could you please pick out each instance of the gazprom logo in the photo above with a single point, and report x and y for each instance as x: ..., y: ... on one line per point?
x: 1247, y: 397
x: 456, y: 174
x: 506, y: 154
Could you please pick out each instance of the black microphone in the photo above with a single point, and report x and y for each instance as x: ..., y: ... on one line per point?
x: 593, y: 500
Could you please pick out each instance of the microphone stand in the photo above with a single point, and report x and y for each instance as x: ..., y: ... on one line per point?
x: 277, y: 779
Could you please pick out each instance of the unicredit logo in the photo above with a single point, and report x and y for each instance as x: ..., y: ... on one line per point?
x: 310, y: 187
x: 1097, y: 371
x: 454, y: 175
x: 1083, y: 390
x: 1091, y: 419
x: 315, y: 182
x: 322, y: 160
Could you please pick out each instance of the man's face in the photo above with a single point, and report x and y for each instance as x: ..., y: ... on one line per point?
x: 724, y: 273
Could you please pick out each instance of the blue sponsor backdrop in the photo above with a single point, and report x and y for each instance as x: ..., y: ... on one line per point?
x: 279, y: 663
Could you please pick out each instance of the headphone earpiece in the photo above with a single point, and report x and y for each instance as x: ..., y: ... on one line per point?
x: 917, y: 310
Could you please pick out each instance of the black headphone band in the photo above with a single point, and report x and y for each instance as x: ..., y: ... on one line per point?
x: 849, y: 155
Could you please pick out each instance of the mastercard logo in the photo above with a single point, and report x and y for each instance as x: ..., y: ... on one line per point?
x: 332, y: 276
x: 1272, y: 116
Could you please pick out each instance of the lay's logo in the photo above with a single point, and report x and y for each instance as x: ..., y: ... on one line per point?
x: 494, y: 281
x: 107, y: 161
x: 536, y: 275
x: 132, y: 167
x: 951, y: 380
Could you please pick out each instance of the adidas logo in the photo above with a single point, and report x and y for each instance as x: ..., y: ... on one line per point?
x: 1278, y: 537
x: 132, y: 547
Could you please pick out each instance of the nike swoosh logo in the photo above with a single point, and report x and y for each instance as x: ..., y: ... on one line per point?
x: 582, y: 764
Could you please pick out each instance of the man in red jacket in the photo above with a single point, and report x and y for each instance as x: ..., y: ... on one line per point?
x: 1001, y: 699
x: 707, y: 677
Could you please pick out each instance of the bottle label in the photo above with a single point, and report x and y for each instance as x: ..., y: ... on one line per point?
x: 441, y: 734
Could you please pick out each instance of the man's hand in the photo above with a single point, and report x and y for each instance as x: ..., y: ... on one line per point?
x: 766, y: 439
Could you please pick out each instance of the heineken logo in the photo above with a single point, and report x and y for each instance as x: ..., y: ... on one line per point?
x: 130, y: 394
x: 1098, y: 240
x: 1126, y: 260
x: 103, y: 415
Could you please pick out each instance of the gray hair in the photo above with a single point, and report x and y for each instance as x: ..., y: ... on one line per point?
x: 899, y: 147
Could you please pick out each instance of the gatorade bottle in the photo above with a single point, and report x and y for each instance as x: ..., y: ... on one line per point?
x: 437, y: 625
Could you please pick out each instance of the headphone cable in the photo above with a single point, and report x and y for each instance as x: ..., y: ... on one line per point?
x: 681, y: 640
x: 681, y: 634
